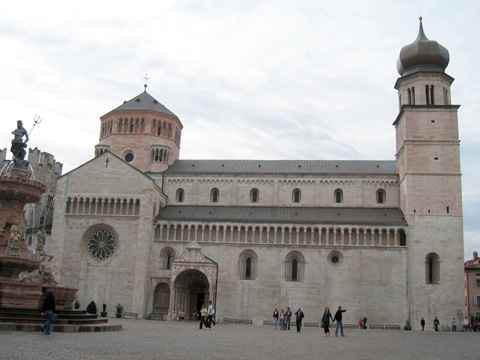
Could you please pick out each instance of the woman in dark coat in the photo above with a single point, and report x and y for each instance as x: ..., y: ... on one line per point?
x: 327, y: 316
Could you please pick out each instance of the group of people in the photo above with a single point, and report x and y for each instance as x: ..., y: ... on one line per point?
x: 207, y: 315
x: 282, y: 319
x: 337, y: 318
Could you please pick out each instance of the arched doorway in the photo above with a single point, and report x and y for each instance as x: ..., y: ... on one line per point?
x: 191, y: 292
x: 161, y: 301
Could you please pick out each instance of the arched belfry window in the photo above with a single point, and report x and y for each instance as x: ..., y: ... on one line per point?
x: 429, y: 95
x: 402, y: 237
x: 248, y: 265
x: 381, y: 196
x: 167, y: 255
x: 214, y: 195
x: 294, y: 266
x: 254, y: 195
x: 296, y: 195
x: 338, y: 196
x: 432, y: 268
x: 180, y: 195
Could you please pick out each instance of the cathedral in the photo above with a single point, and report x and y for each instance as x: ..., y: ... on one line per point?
x: 138, y: 226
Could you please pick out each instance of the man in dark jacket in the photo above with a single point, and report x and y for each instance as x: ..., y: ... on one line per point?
x: 48, y: 310
x: 299, y: 315
x: 338, y: 318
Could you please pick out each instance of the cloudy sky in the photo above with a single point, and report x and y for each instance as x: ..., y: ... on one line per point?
x: 250, y: 79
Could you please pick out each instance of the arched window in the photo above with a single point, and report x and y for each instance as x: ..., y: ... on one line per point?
x: 248, y: 265
x: 180, y: 195
x: 294, y: 266
x: 381, y: 196
x: 432, y: 268
x: 296, y: 195
x: 338, y: 196
x: 248, y: 268
x: 167, y: 255
x: 254, y: 195
x: 214, y: 195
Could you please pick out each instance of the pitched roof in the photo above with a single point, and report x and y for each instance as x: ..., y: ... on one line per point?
x: 143, y: 101
x: 294, y: 167
x: 295, y: 215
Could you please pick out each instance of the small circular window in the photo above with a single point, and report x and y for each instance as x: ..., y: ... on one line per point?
x: 101, y: 244
x: 129, y: 156
x: 335, y: 257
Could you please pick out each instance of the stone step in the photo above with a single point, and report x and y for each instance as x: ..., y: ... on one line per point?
x: 34, y: 314
x: 12, y: 319
x: 18, y: 311
x: 59, y: 328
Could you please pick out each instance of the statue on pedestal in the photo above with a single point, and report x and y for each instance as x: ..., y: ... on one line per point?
x: 19, y: 145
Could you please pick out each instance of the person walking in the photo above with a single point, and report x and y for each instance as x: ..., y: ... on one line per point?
x: 288, y: 315
x: 436, y: 323
x: 299, y: 315
x: 326, y: 317
x: 466, y: 324
x: 48, y: 310
x: 422, y: 323
x: 275, y: 317
x: 210, y: 314
x: 203, y: 316
x: 282, y: 319
x: 339, y: 323
x: 454, y: 324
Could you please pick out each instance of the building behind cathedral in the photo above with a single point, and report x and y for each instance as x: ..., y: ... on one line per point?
x: 138, y: 226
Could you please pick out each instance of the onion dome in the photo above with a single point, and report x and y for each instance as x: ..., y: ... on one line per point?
x: 422, y: 55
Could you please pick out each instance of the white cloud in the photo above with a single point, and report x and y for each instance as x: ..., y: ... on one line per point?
x: 264, y: 79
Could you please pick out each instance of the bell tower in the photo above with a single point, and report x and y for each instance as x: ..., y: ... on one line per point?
x: 428, y: 164
x: 143, y: 132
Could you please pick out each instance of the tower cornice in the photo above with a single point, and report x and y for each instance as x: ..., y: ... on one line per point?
x: 405, y: 108
x: 400, y: 79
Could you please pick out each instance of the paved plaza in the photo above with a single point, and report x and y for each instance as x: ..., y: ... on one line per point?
x: 142, y: 339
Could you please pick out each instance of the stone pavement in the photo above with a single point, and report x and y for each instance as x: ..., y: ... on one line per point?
x: 145, y: 340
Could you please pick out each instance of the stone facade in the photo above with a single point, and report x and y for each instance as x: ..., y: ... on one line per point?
x: 161, y: 236
x: 39, y: 216
x: 472, y: 288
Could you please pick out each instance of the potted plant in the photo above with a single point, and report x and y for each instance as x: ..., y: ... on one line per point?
x: 119, y: 311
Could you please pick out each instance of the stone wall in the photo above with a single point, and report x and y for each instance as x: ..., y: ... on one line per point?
x: 367, y: 281
x: 277, y: 190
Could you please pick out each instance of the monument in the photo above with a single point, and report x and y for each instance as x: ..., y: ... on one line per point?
x: 23, y: 273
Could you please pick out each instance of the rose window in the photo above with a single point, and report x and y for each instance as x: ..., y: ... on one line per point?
x: 102, y: 244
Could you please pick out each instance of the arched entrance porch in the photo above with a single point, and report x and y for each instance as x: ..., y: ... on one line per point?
x: 191, y: 290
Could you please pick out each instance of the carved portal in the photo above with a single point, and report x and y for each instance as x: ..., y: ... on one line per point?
x: 194, y: 283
